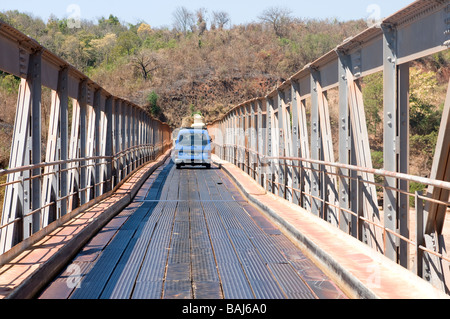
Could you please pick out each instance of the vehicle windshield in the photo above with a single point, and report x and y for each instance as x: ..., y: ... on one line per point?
x: 193, y: 139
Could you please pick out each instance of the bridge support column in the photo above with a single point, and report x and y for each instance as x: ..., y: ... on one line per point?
x: 323, y: 184
x: 299, y: 106
x: 247, y: 137
x: 98, y: 110
x: 92, y: 108
x: 329, y: 191
x: 129, y: 156
x: 232, y: 139
x: 286, y: 103
x: 64, y: 139
x: 270, y: 168
x: 436, y: 270
x: 116, y: 143
x: 238, y: 138
x: 281, y: 107
x: 361, y: 155
x: 83, y: 129
x: 55, y: 184
x: 36, y: 142
x: 25, y: 197
x: 241, y: 138
x: 261, y: 141
x: 316, y: 145
x: 296, y: 148
x: 396, y: 146
x: 109, y: 141
x: 133, y: 138
x: 123, y: 159
x: 347, y: 221
x: 74, y: 181
x: 253, y: 140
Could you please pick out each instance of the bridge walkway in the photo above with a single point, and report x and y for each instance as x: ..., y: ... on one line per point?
x: 190, y: 234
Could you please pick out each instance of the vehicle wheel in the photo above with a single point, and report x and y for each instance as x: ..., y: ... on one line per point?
x: 178, y: 166
x: 208, y: 166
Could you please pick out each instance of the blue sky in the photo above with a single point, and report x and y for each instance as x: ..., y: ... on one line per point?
x: 159, y: 13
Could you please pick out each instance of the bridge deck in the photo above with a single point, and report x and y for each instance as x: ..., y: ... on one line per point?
x: 190, y: 234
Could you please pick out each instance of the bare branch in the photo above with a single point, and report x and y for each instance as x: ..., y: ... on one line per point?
x: 221, y: 19
x: 145, y: 62
x: 201, y: 20
x: 183, y: 20
x: 278, y: 18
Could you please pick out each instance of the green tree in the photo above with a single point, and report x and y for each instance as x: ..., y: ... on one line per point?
x: 103, y: 47
x: 315, y: 45
x: 153, y: 107
x: 425, y: 116
x: 378, y: 163
x: 112, y: 20
x: 128, y: 42
x: 26, y: 23
x: 160, y: 39
x: 193, y: 110
x: 144, y: 30
x: 9, y: 83
x: 373, y: 100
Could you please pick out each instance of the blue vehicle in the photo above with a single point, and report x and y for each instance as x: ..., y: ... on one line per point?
x: 193, y: 147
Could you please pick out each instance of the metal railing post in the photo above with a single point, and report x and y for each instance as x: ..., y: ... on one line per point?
x: 419, y: 233
x: 360, y: 209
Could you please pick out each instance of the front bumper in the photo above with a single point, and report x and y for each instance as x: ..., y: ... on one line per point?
x: 192, y: 160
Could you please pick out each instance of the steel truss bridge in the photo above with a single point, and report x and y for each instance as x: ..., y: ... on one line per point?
x: 102, y: 213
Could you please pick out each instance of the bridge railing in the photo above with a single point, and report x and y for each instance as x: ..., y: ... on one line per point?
x: 298, y: 166
x: 95, y: 140
x: 293, y: 156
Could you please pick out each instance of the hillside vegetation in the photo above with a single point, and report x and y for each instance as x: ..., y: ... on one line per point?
x: 204, y: 64
x: 202, y: 61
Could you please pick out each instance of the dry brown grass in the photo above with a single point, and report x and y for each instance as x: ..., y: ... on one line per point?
x: 220, y: 68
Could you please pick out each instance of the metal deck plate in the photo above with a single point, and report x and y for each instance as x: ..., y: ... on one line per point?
x: 190, y: 234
